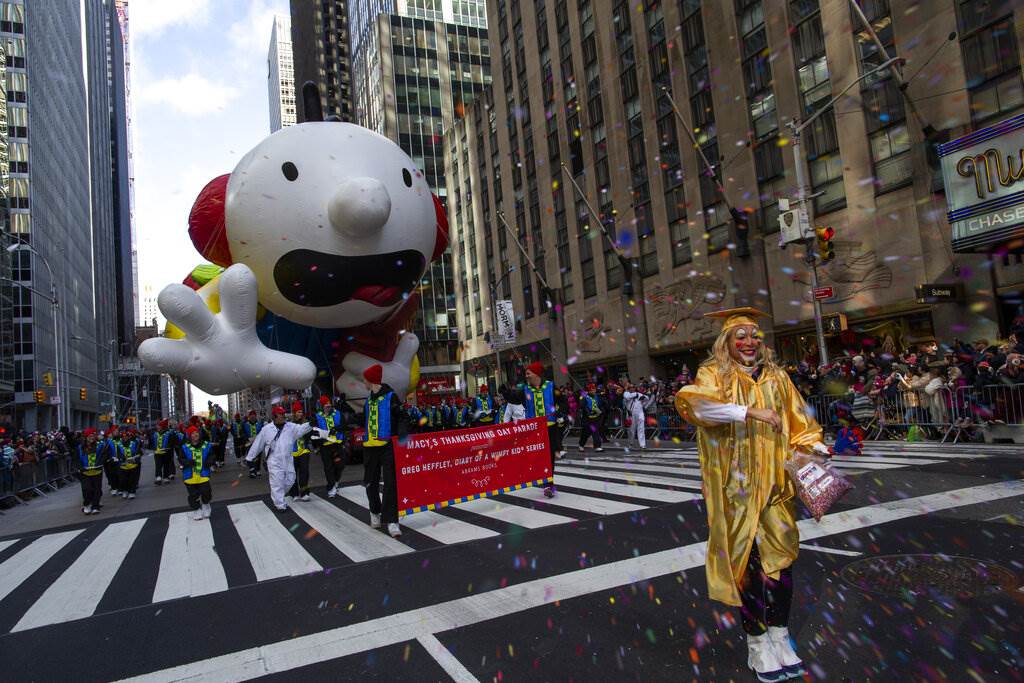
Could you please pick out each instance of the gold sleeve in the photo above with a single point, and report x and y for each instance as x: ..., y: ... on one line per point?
x: 804, y: 430
x: 706, y: 387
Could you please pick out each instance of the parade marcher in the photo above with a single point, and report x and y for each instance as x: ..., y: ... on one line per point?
x: 129, y: 460
x: 196, y: 459
x: 384, y: 420
x: 635, y: 401
x: 278, y: 437
x: 539, y: 401
x: 165, y: 443
x: 590, y: 418
x: 219, y: 441
x: 333, y: 444
x: 92, y: 457
x: 447, y: 415
x: 110, y: 468
x: 300, y: 457
x: 750, y: 418
x: 483, y: 407
x: 251, y: 428
x: 236, y: 436
x: 514, y: 399
x: 413, y: 416
x: 462, y: 414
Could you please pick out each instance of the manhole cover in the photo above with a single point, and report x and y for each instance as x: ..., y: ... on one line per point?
x: 962, y: 577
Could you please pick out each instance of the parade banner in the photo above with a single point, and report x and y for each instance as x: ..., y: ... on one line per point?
x: 438, y: 469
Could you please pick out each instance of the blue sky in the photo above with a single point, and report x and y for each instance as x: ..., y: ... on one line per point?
x: 199, y: 93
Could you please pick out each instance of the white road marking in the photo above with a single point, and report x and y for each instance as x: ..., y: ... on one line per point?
x: 441, y: 528
x: 76, y: 593
x: 630, y: 490
x: 626, y: 476
x: 357, y: 540
x: 293, y: 653
x: 872, y: 459
x: 446, y: 659
x: 4, y: 545
x: 574, y: 501
x: 26, y: 561
x: 514, y: 514
x: 691, y: 472
x: 189, y: 563
x: 832, y: 551
x: 272, y: 550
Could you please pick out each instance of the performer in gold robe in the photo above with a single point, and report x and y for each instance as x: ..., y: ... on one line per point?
x: 750, y: 418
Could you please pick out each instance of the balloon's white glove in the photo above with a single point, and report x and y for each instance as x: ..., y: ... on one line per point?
x: 221, y: 353
x: 396, y: 372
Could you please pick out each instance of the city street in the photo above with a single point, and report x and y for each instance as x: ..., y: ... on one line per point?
x: 912, y: 576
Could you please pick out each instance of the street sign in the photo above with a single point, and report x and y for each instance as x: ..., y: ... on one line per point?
x: 823, y: 293
x: 55, y: 400
x: 939, y: 293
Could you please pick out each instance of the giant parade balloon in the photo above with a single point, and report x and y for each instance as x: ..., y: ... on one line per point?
x: 319, y: 239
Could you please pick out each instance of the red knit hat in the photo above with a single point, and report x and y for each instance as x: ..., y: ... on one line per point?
x: 483, y: 389
x: 192, y: 430
x: 536, y: 368
x: 374, y: 374
x: 87, y: 432
x: 162, y: 424
x: 278, y: 410
x: 297, y: 407
x: 324, y: 399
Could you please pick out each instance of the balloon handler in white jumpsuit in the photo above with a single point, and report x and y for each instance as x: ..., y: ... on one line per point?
x: 280, y: 436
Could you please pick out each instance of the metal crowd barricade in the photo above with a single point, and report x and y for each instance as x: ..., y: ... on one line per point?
x: 993, y: 407
x: 891, y: 415
x: 35, y: 477
x: 670, y: 426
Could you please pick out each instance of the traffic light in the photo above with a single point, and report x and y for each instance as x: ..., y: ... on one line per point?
x: 48, y: 378
x: 40, y: 396
x: 82, y: 394
x: 823, y: 236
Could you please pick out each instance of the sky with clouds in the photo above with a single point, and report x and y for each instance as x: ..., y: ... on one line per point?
x: 199, y: 92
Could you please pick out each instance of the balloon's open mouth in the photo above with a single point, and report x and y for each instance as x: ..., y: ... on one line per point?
x: 314, y: 279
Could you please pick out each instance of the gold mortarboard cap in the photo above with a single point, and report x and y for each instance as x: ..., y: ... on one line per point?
x: 734, y: 317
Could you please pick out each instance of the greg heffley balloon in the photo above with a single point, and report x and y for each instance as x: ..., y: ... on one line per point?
x: 325, y: 230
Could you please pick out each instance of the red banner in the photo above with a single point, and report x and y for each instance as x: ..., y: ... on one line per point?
x: 438, y: 469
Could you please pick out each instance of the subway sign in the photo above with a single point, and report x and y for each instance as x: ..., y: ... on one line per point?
x: 984, y: 177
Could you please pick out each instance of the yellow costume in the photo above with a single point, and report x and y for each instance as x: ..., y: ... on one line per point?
x: 748, y: 493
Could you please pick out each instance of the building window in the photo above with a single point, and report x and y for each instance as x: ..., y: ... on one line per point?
x: 681, y: 250
x: 646, y: 239
x: 991, y: 60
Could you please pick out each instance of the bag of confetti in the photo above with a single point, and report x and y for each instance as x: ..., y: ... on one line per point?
x: 818, y: 484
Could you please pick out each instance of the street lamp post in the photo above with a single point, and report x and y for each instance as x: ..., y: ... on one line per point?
x: 112, y: 344
x: 54, y: 306
x: 797, y: 128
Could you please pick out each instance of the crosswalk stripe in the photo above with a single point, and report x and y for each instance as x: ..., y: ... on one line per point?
x: 441, y: 528
x: 4, y: 545
x: 514, y: 514
x: 628, y: 490
x: 189, y: 563
x: 868, y: 461
x: 575, y: 501
x: 641, y: 467
x: 626, y: 476
x: 272, y: 550
x: 356, y: 540
x: 77, y: 592
x: 25, y: 562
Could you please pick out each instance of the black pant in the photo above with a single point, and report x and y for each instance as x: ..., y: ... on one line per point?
x: 113, y: 475
x: 197, y: 492
x: 130, y: 479
x: 589, y: 428
x: 239, y: 448
x: 165, y: 465
x: 378, y: 461
x: 218, y: 452
x: 92, y: 489
x: 301, y: 485
x: 335, y: 457
x: 765, y: 602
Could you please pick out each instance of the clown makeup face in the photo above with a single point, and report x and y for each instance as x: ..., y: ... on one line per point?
x: 745, y: 344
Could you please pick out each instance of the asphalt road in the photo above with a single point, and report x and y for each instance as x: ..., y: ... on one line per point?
x: 914, y: 576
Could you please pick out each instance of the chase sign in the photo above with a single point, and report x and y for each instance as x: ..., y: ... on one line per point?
x: 984, y: 177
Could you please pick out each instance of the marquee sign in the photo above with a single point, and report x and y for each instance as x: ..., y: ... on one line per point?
x: 984, y: 176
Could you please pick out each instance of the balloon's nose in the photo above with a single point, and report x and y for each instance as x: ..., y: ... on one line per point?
x: 360, y: 207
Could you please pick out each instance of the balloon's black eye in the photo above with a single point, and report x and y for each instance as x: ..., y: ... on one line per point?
x: 406, y: 177
x: 289, y: 170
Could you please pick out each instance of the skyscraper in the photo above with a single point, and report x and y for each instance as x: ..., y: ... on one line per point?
x: 62, y: 205
x: 281, y: 74
x: 320, y: 45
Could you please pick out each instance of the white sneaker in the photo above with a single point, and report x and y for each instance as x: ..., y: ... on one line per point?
x: 394, y: 530
x: 762, y: 660
x: 784, y: 652
x: 94, y: 511
x: 206, y: 510
x: 333, y: 491
x: 158, y: 481
x: 305, y: 497
x: 581, y: 449
x: 374, y: 521
x: 131, y: 496
x: 197, y: 515
x: 86, y: 510
x: 124, y: 494
x: 115, y: 492
x: 599, y: 450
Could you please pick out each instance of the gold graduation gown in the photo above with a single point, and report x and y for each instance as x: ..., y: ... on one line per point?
x: 749, y: 493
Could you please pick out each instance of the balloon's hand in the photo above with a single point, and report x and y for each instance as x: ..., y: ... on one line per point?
x: 396, y: 371
x: 221, y: 353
